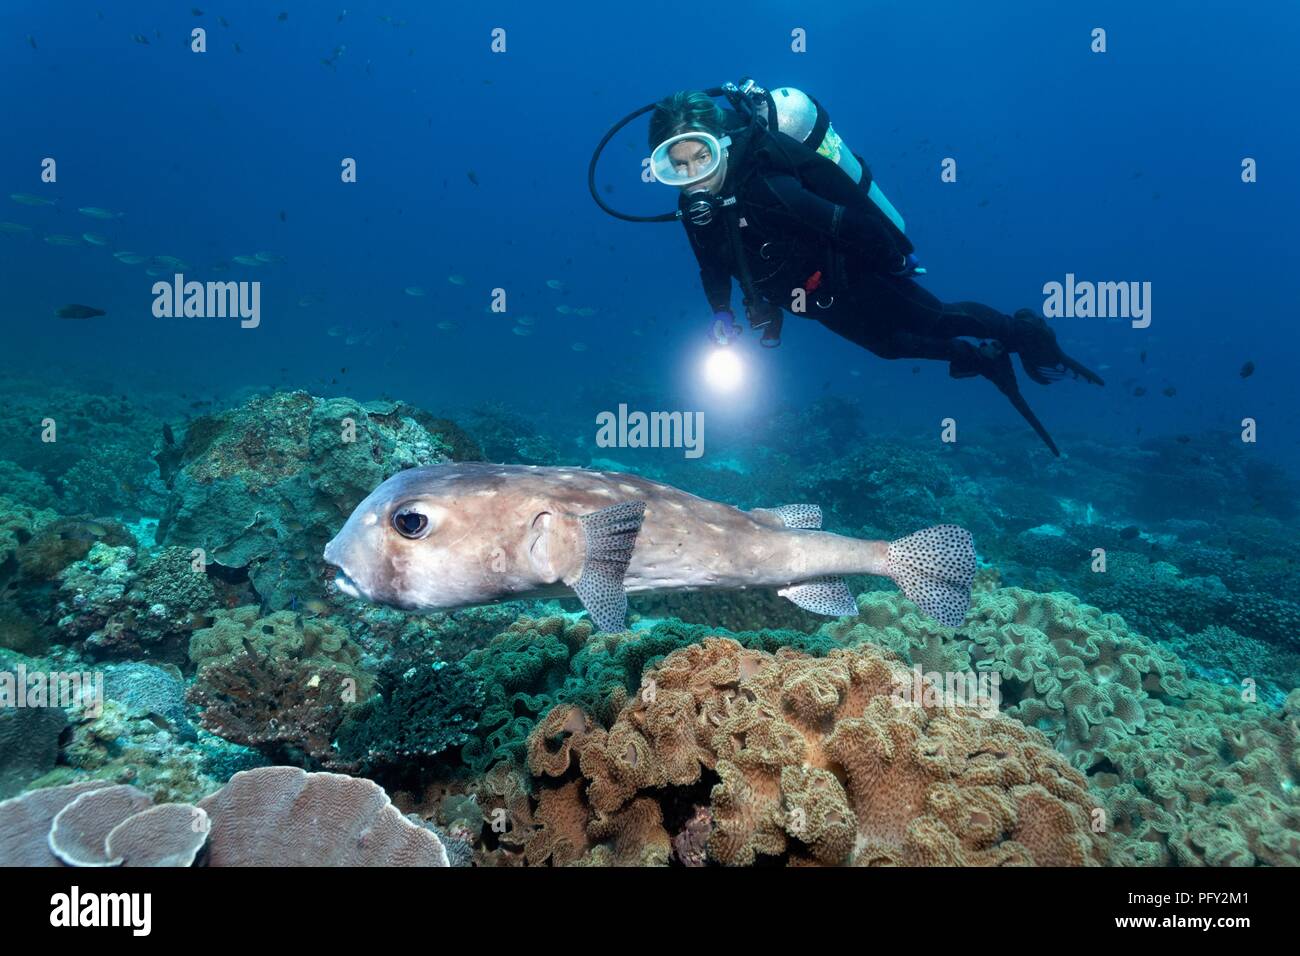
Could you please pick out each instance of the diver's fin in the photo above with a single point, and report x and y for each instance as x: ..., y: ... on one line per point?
x: 1041, y: 355
x: 935, y: 567
x: 797, y: 516
x: 1027, y: 413
x: 1001, y: 374
x: 610, y: 535
x: 828, y: 596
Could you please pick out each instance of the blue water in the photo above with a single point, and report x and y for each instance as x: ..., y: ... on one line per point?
x: 1121, y: 166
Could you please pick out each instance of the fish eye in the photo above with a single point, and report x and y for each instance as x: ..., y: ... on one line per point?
x: 409, y: 523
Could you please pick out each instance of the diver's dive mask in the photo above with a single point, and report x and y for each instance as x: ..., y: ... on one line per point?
x: 688, y: 158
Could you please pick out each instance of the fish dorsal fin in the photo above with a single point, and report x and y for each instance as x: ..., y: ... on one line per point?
x: 797, y: 516
x: 610, y: 537
x: 828, y: 596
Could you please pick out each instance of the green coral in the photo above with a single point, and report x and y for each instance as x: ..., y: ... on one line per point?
x: 317, y: 642
x: 422, y: 709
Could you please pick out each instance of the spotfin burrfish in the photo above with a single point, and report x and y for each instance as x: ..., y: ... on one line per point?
x: 453, y: 535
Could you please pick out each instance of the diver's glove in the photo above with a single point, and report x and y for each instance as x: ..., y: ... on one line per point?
x: 723, y: 329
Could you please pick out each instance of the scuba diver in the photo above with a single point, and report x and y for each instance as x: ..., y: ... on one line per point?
x: 772, y: 197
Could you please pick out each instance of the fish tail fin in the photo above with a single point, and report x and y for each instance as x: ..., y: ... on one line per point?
x: 935, y: 567
x: 610, y: 537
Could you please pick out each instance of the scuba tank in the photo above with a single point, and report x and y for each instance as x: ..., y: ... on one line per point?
x: 800, y: 116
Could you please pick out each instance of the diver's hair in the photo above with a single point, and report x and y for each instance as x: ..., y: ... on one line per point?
x: 685, y: 110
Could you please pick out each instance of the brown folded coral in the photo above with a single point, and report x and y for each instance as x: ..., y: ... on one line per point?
x: 814, y: 759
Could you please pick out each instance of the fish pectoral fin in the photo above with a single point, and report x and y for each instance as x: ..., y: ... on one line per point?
x: 828, y: 596
x: 610, y: 535
x: 807, y: 517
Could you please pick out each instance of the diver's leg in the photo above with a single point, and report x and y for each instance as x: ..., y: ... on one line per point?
x: 908, y: 307
x: 898, y: 319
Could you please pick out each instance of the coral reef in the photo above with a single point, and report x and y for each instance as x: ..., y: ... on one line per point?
x: 262, y: 487
x: 1148, y: 711
x: 282, y: 816
x: 122, y: 609
x: 277, y: 816
x: 538, y: 663
x: 814, y: 759
x: 100, y: 460
x: 278, y: 683
x: 29, y: 745
x: 422, y: 709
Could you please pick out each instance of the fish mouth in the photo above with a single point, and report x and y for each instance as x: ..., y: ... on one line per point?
x: 347, y: 585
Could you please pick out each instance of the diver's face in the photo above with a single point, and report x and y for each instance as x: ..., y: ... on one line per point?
x: 690, y: 157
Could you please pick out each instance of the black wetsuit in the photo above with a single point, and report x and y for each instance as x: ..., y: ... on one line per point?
x: 804, y: 223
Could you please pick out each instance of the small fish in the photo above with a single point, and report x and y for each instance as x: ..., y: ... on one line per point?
x: 309, y: 300
x: 196, y: 12
x: 457, y: 279
x: 129, y: 258
x: 334, y: 331
x: 579, y: 346
x: 473, y: 177
x: 555, y: 284
x: 526, y: 320
x: 248, y: 260
x: 237, y: 47
x: 338, y: 52
x: 1129, y: 533
x: 96, y: 212
x: 57, y: 240
x: 1182, y: 439
x: 84, y: 531
x: 95, y: 239
x: 586, y: 311
x: 284, y: 216
x: 140, y: 38
x: 414, y: 290
x: 1143, y: 357
x: 447, y: 325
x: 14, y: 229
x: 268, y: 257
x: 1169, y: 392
x: 27, y: 199
x: 283, y: 16
x: 75, y: 311
x: 1139, y: 392
x: 31, y: 41
x: 223, y: 21
x: 564, y: 309
x: 1247, y: 370
x: 522, y: 330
